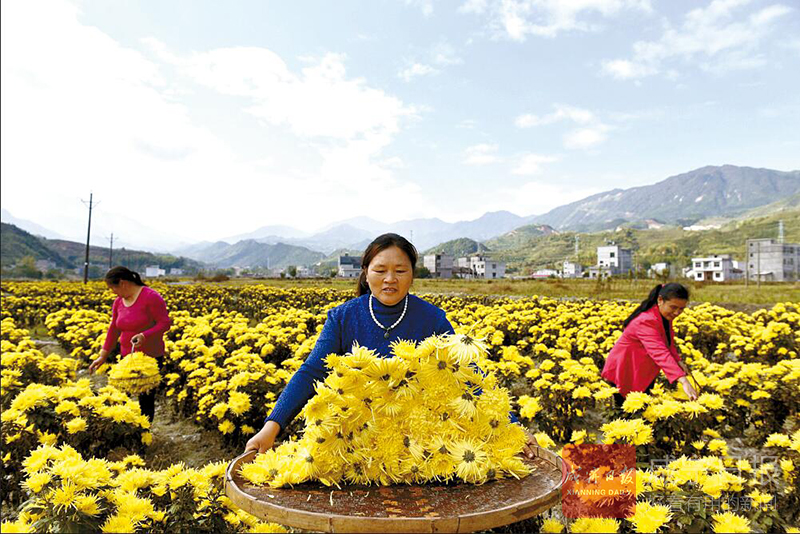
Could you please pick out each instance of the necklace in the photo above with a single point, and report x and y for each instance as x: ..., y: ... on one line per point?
x: 386, y: 329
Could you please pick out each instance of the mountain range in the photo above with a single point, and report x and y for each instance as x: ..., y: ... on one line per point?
x: 710, y: 195
x: 684, y: 199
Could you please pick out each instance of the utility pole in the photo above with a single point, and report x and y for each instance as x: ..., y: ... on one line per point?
x: 412, y: 237
x: 111, y: 250
x: 88, y: 236
x: 758, y: 264
x: 746, y: 263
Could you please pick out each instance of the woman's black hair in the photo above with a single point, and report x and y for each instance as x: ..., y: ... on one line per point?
x: 673, y: 290
x: 378, y: 245
x: 119, y: 273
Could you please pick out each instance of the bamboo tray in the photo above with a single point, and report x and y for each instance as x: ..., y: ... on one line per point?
x: 402, y: 508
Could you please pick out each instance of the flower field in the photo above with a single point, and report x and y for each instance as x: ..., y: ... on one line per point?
x: 725, y: 462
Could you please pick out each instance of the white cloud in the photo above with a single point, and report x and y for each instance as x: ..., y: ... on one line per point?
x: 585, y: 138
x: 320, y: 101
x: 718, y: 38
x: 394, y: 162
x: 444, y: 54
x: 578, y: 115
x: 425, y: 6
x: 415, y: 70
x: 473, y: 6
x: 482, y: 154
x: 90, y: 114
x: 624, y: 69
x: 517, y: 19
x: 591, y: 133
x: 529, y: 164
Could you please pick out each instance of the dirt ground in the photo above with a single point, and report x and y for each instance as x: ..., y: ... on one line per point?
x: 174, y: 438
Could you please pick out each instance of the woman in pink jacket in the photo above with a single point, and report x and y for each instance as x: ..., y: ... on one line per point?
x: 139, y: 320
x: 647, y: 345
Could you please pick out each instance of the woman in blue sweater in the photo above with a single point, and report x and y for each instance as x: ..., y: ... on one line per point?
x: 383, y: 313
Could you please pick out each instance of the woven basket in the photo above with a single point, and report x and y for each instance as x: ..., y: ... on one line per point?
x: 136, y: 386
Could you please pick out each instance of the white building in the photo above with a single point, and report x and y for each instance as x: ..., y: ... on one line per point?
x: 154, y: 271
x: 174, y: 271
x: 305, y: 272
x: 619, y: 260
x: 571, y: 270
x: 597, y: 271
x: 349, y: 266
x: 714, y: 268
x: 545, y: 273
x: 771, y: 260
x: 482, y: 267
x: 659, y: 269
x: 440, y: 265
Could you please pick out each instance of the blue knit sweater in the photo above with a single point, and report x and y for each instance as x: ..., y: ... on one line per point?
x: 349, y: 323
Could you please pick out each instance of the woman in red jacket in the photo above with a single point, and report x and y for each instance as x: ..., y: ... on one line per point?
x: 647, y: 345
x: 139, y: 320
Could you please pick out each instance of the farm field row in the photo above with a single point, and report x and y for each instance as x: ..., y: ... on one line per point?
x: 232, y: 349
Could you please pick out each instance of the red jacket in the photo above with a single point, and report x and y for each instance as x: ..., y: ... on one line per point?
x: 148, y: 316
x: 640, y: 352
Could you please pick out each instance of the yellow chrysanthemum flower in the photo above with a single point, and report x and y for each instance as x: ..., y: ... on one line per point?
x: 730, y: 522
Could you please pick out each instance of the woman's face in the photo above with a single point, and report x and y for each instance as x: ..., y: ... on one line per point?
x: 672, y: 308
x: 389, y: 275
x: 124, y: 289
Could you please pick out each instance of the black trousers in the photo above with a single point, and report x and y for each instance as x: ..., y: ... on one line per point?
x: 147, y: 403
x: 619, y: 399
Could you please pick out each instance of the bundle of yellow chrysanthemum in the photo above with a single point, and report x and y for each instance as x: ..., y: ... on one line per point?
x: 414, y: 417
x: 135, y: 374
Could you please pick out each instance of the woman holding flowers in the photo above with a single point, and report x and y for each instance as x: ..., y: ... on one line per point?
x: 647, y: 345
x: 383, y: 312
x: 139, y: 320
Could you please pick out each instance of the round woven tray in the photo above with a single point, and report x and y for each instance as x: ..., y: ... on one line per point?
x: 402, y: 508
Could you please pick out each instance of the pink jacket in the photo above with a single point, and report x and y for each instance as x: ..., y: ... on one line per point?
x: 148, y: 316
x: 640, y: 352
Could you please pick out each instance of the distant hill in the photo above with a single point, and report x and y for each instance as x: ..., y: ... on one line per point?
x: 28, y: 226
x: 278, y: 232
x: 521, y: 236
x: 725, y: 191
x: 462, y: 246
x: 17, y: 243
x: 339, y: 236
x: 251, y: 253
x: 137, y: 260
x: 357, y: 232
x: 670, y: 243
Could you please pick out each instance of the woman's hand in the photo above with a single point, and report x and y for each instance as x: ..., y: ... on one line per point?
x: 137, y: 339
x: 528, y: 449
x: 688, y: 388
x: 264, y: 439
x: 98, y: 362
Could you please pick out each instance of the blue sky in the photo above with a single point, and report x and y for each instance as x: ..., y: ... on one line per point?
x: 198, y: 120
